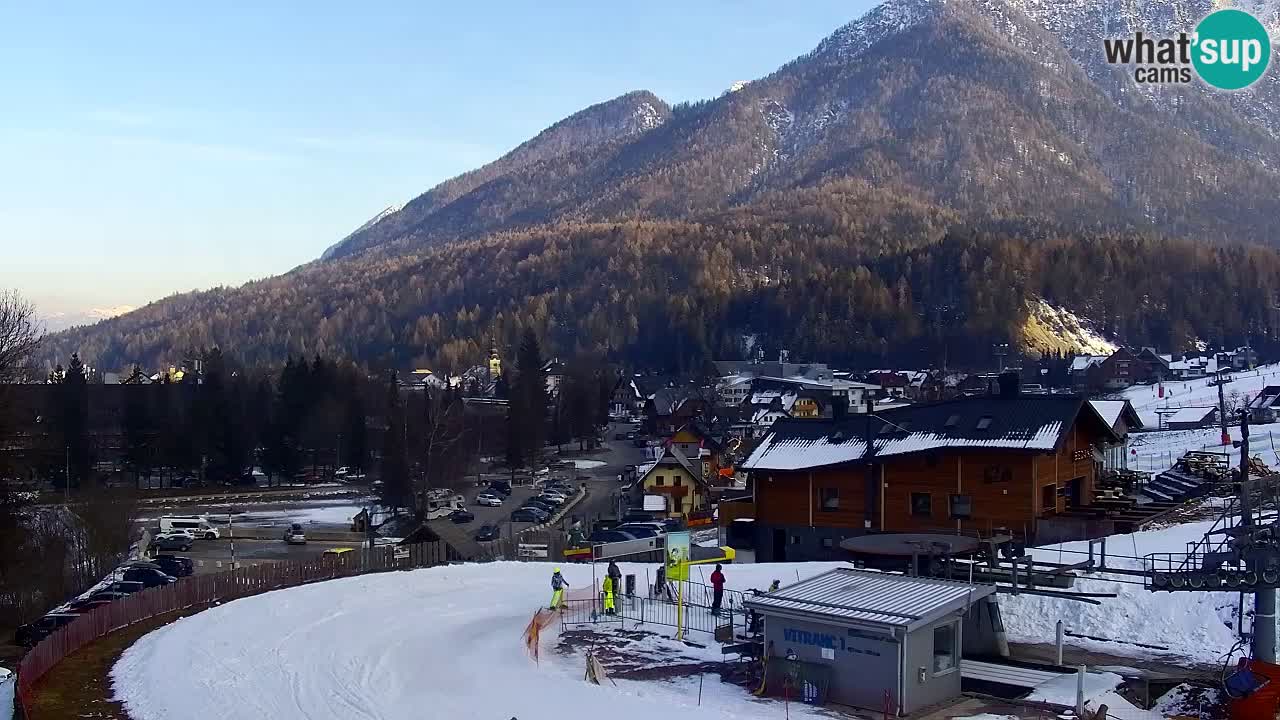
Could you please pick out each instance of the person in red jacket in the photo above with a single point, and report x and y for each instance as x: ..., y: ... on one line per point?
x: 717, y: 587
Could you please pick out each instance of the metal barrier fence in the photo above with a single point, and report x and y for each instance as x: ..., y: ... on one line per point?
x: 205, y: 589
x: 641, y: 609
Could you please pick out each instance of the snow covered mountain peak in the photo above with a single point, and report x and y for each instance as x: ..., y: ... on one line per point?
x: 389, y: 210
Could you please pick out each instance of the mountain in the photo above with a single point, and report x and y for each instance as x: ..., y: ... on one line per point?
x: 57, y: 321
x: 578, y: 136
x: 986, y: 107
x: 338, y: 247
x: 912, y: 188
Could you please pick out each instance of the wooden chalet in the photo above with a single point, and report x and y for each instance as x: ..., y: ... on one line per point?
x: 1005, y: 462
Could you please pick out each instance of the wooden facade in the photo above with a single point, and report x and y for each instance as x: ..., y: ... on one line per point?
x: 963, y: 490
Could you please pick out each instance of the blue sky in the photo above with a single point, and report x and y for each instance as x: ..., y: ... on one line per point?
x: 146, y: 150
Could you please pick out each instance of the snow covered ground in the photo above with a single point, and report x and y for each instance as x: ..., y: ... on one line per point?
x: 1199, y: 627
x: 1155, y: 452
x: 443, y: 642
x: 390, y: 645
x: 6, y: 694
x: 1243, y: 387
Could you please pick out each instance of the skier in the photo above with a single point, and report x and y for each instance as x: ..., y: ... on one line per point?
x: 717, y: 587
x: 608, y: 595
x: 558, y: 585
x: 615, y: 573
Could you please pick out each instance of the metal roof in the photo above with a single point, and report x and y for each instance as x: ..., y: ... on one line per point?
x: 863, y: 597
x: 1034, y: 423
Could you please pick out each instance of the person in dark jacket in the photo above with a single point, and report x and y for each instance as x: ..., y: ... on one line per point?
x: 558, y: 585
x: 717, y: 587
x: 615, y: 574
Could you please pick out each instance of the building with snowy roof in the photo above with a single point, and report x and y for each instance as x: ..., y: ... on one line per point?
x: 1009, y: 462
x: 880, y: 641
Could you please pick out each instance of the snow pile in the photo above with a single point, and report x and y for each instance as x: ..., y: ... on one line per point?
x: 6, y: 694
x: 1190, y: 626
x: 443, y: 641
x: 1099, y: 689
x: 588, y: 464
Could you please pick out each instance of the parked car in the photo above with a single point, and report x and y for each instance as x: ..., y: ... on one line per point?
x: 462, y: 516
x: 294, y: 535
x: 31, y: 633
x: 609, y: 536
x: 639, y: 531
x: 172, y: 541
x: 149, y: 577
x: 556, y: 500
x: 543, y: 505
x: 126, y: 587
x: 175, y: 565
x: 502, y: 487
x: 621, y: 436
x: 107, y: 595
x: 488, y: 532
x: 639, y: 442
x: 85, y: 604
x: 530, y: 514
x: 489, y: 499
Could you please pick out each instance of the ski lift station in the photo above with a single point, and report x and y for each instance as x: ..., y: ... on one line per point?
x: 888, y: 643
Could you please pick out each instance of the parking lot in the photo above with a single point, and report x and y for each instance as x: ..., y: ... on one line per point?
x: 215, y: 555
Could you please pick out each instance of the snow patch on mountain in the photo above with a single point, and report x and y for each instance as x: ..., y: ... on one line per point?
x: 648, y: 117
x: 386, y: 212
x: 1057, y: 328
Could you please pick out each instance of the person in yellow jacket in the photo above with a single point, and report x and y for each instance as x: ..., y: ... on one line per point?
x: 608, y: 596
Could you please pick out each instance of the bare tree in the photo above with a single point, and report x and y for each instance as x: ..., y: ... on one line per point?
x: 20, y: 334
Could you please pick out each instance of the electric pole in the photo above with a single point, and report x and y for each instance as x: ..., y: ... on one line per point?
x: 1264, y: 602
x: 1222, y: 413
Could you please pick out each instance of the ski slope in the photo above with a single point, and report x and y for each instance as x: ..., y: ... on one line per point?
x: 446, y: 642
x: 443, y: 642
x: 1244, y: 386
x: 1155, y: 452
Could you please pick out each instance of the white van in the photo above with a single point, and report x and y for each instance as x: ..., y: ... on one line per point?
x: 195, y: 524
x: 442, y: 507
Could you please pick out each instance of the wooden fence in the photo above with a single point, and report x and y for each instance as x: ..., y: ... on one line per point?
x: 199, y: 590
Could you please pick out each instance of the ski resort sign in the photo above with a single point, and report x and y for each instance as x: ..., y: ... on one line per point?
x: 1229, y: 50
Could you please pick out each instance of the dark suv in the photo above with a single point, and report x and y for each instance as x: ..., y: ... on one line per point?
x: 149, y: 577
x: 175, y: 565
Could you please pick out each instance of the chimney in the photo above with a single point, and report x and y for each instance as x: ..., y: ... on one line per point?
x: 839, y: 406
x: 1010, y: 384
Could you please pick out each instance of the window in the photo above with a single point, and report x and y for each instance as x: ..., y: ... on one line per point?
x: 661, y: 481
x: 830, y: 498
x: 795, y: 539
x: 1049, y: 497
x: 944, y: 649
x: 677, y: 481
x: 828, y: 543
x: 921, y: 504
x: 984, y: 422
x: 961, y: 506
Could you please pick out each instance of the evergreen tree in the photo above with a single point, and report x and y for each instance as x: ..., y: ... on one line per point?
x: 355, y: 431
x: 530, y: 390
x: 396, y: 490
x: 73, y: 424
x: 138, y: 431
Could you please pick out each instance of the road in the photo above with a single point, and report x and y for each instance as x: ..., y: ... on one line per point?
x: 215, y: 555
